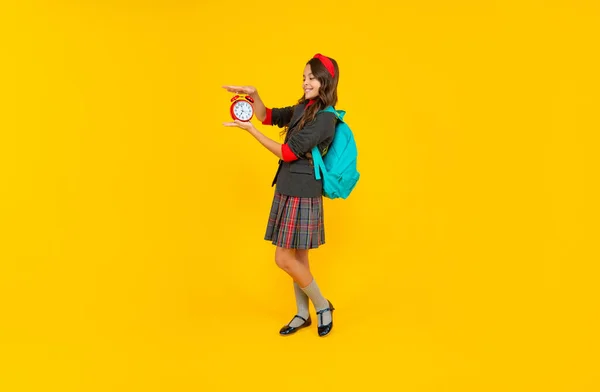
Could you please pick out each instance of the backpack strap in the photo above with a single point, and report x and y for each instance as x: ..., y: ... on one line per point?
x: 318, y: 160
x: 338, y: 113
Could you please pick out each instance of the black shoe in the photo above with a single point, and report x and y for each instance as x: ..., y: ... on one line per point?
x: 287, y: 330
x: 325, y: 329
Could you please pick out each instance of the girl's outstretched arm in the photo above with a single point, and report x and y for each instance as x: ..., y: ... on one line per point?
x: 268, y: 143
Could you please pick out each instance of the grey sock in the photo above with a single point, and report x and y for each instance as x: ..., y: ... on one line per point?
x: 301, y: 306
x: 313, y: 292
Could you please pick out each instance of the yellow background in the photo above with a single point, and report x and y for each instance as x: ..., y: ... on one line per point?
x: 132, y: 256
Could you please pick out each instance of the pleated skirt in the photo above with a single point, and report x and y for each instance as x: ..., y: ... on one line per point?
x: 296, y: 222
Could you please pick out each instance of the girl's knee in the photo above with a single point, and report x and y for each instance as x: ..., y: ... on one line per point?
x: 284, y: 259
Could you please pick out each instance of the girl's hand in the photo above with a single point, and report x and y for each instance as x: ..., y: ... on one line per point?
x: 240, y: 124
x: 271, y: 145
x: 248, y: 90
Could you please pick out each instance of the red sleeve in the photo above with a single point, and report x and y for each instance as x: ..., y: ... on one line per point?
x: 287, y: 153
x: 268, y: 119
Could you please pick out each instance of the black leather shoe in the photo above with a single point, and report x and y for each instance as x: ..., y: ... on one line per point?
x: 287, y: 330
x: 325, y: 329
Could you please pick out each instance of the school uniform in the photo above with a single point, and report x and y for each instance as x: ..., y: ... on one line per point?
x: 296, y: 216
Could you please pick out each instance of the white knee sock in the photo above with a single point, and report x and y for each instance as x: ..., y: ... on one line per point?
x: 301, y: 306
x: 313, y: 292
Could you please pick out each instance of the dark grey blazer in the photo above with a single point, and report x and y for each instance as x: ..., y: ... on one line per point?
x: 297, y: 178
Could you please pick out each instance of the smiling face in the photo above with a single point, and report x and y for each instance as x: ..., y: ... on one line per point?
x: 310, y: 84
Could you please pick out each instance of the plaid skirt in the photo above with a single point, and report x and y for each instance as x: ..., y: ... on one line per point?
x: 296, y: 222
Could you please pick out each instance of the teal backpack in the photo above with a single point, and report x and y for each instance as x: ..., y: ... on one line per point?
x: 338, y: 166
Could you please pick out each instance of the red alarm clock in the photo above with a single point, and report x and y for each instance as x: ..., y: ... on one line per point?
x: 241, y: 108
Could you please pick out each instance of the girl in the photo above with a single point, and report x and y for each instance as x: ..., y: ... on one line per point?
x: 295, y: 223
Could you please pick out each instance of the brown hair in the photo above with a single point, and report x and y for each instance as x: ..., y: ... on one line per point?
x: 327, y: 91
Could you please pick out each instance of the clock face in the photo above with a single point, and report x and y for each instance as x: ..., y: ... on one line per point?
x: 243, y: 110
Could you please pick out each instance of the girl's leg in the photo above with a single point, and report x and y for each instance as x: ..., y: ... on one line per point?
x: 302, y: 257
x: 302, y: 309
x: 287, y: 261
x: 303, y: 277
